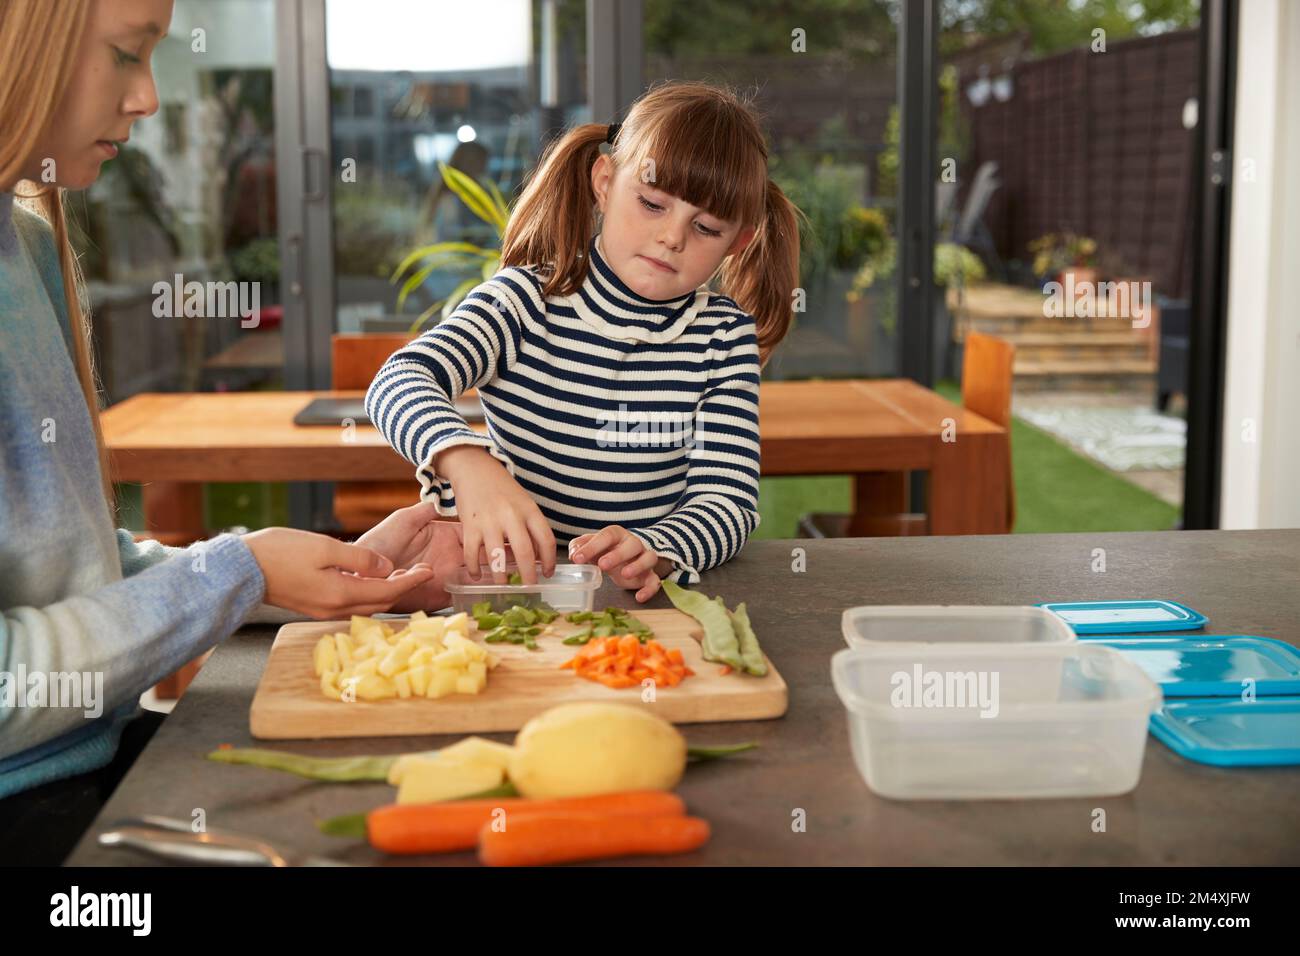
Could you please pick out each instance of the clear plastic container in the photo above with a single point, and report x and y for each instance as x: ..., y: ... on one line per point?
x: 956, y: 624
x: 1063, y: 720
x: 571, y: 588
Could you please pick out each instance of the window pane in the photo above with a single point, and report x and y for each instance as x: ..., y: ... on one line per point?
x: 1070, y: 143
x: 430, y: 92
x: 184, y: 221
x: 823, y: 78
x: 192, y: 196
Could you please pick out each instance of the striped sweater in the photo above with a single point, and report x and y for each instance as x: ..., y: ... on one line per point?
x: 606, y: 407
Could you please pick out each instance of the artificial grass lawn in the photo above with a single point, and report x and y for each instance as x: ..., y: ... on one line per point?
x: 1056, y: 490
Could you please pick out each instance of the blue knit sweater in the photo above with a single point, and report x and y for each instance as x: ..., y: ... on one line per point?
x: 606, y: 407
x: 81, y: 603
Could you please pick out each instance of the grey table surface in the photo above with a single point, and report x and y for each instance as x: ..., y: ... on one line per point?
x: 1246, y: 582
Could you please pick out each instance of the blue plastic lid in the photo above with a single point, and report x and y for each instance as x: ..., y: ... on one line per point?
x: 1231, y: 733
x: 1127, y: 617
x: 1214, y: 665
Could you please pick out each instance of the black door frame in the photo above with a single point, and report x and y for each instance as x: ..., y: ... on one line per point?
x: 1206, y: 377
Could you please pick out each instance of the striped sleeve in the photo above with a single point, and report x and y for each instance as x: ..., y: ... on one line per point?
x: 412, y: 399
x: 719, y: 508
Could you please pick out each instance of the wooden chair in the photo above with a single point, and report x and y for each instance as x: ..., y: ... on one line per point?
x: 360, y: 505
x: 986, y: 383
x: 987, y: 375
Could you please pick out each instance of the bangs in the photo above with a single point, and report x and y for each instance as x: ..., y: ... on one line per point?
x: 705, y: 155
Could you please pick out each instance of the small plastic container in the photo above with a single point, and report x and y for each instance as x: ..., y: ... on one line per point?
x: 953, y: 624
x: 571, y: 588
x: 1062, y: 720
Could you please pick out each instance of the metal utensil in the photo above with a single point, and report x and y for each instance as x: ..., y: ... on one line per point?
x: 176, y: 840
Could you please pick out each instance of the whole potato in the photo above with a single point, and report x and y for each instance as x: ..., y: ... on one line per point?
x: 578, y: 750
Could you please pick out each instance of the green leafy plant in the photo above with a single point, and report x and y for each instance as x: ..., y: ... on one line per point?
x: 954, y: 134
x: 954, y: 265
x: 477, y: 263
x: 257, y: 261
x: 824, y: 190
x: 863, y: 235
x: 1054, y: 252
x: 373, y: 226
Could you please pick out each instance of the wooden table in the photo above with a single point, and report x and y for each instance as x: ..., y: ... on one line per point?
x: 875, y: 430
x: 1181, y: 813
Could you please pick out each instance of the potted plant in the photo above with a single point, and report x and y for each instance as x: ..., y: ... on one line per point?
x: 955, y: 267
x: 1068, y: 257
x: 472, y: 262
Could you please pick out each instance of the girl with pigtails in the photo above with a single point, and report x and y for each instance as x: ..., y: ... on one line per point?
x: 620, y: 391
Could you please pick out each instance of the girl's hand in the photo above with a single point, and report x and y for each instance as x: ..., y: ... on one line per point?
x: 624, y: 557
x: 495, y: 512
x: 316, y: 575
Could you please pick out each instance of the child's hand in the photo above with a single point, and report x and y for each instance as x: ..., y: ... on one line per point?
x: 624, y: 557
x: 494, y: 510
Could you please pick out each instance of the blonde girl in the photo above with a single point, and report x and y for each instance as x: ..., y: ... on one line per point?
x: 77, y: 597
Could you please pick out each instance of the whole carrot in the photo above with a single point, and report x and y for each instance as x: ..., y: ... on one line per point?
x: 535, y: 839
x: 447, y: 827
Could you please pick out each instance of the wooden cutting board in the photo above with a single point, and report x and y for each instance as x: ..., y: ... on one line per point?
x: 290, y: 705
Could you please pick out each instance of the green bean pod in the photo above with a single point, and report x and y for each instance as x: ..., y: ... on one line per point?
x: 720, y: 644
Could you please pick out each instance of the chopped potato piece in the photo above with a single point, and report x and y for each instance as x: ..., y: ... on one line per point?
x: 478, y: 750
x: 325, y: 657
x: 404, y: 763
x: 429, y: 780
x: 453, y: 658
x: 344, y: 646
x: 419, y: 680
x: 375, y: 687
x: 425, y: 656
x: 442, y: 683
x: 395, y: 660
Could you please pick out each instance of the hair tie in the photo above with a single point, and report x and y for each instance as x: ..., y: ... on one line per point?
x: 612, y: 131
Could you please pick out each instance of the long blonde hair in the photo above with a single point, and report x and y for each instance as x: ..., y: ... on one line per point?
x: 43, y: 36
x: 708, y: 149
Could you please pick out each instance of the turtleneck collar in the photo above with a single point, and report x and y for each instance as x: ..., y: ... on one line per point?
x: 8, y: 236
x: 607, y: 304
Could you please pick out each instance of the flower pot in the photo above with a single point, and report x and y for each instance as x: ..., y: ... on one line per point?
x: 1081, y: 274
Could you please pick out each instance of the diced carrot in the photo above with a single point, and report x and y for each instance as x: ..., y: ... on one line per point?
x: 725, y: 670
x: 623, y: 661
